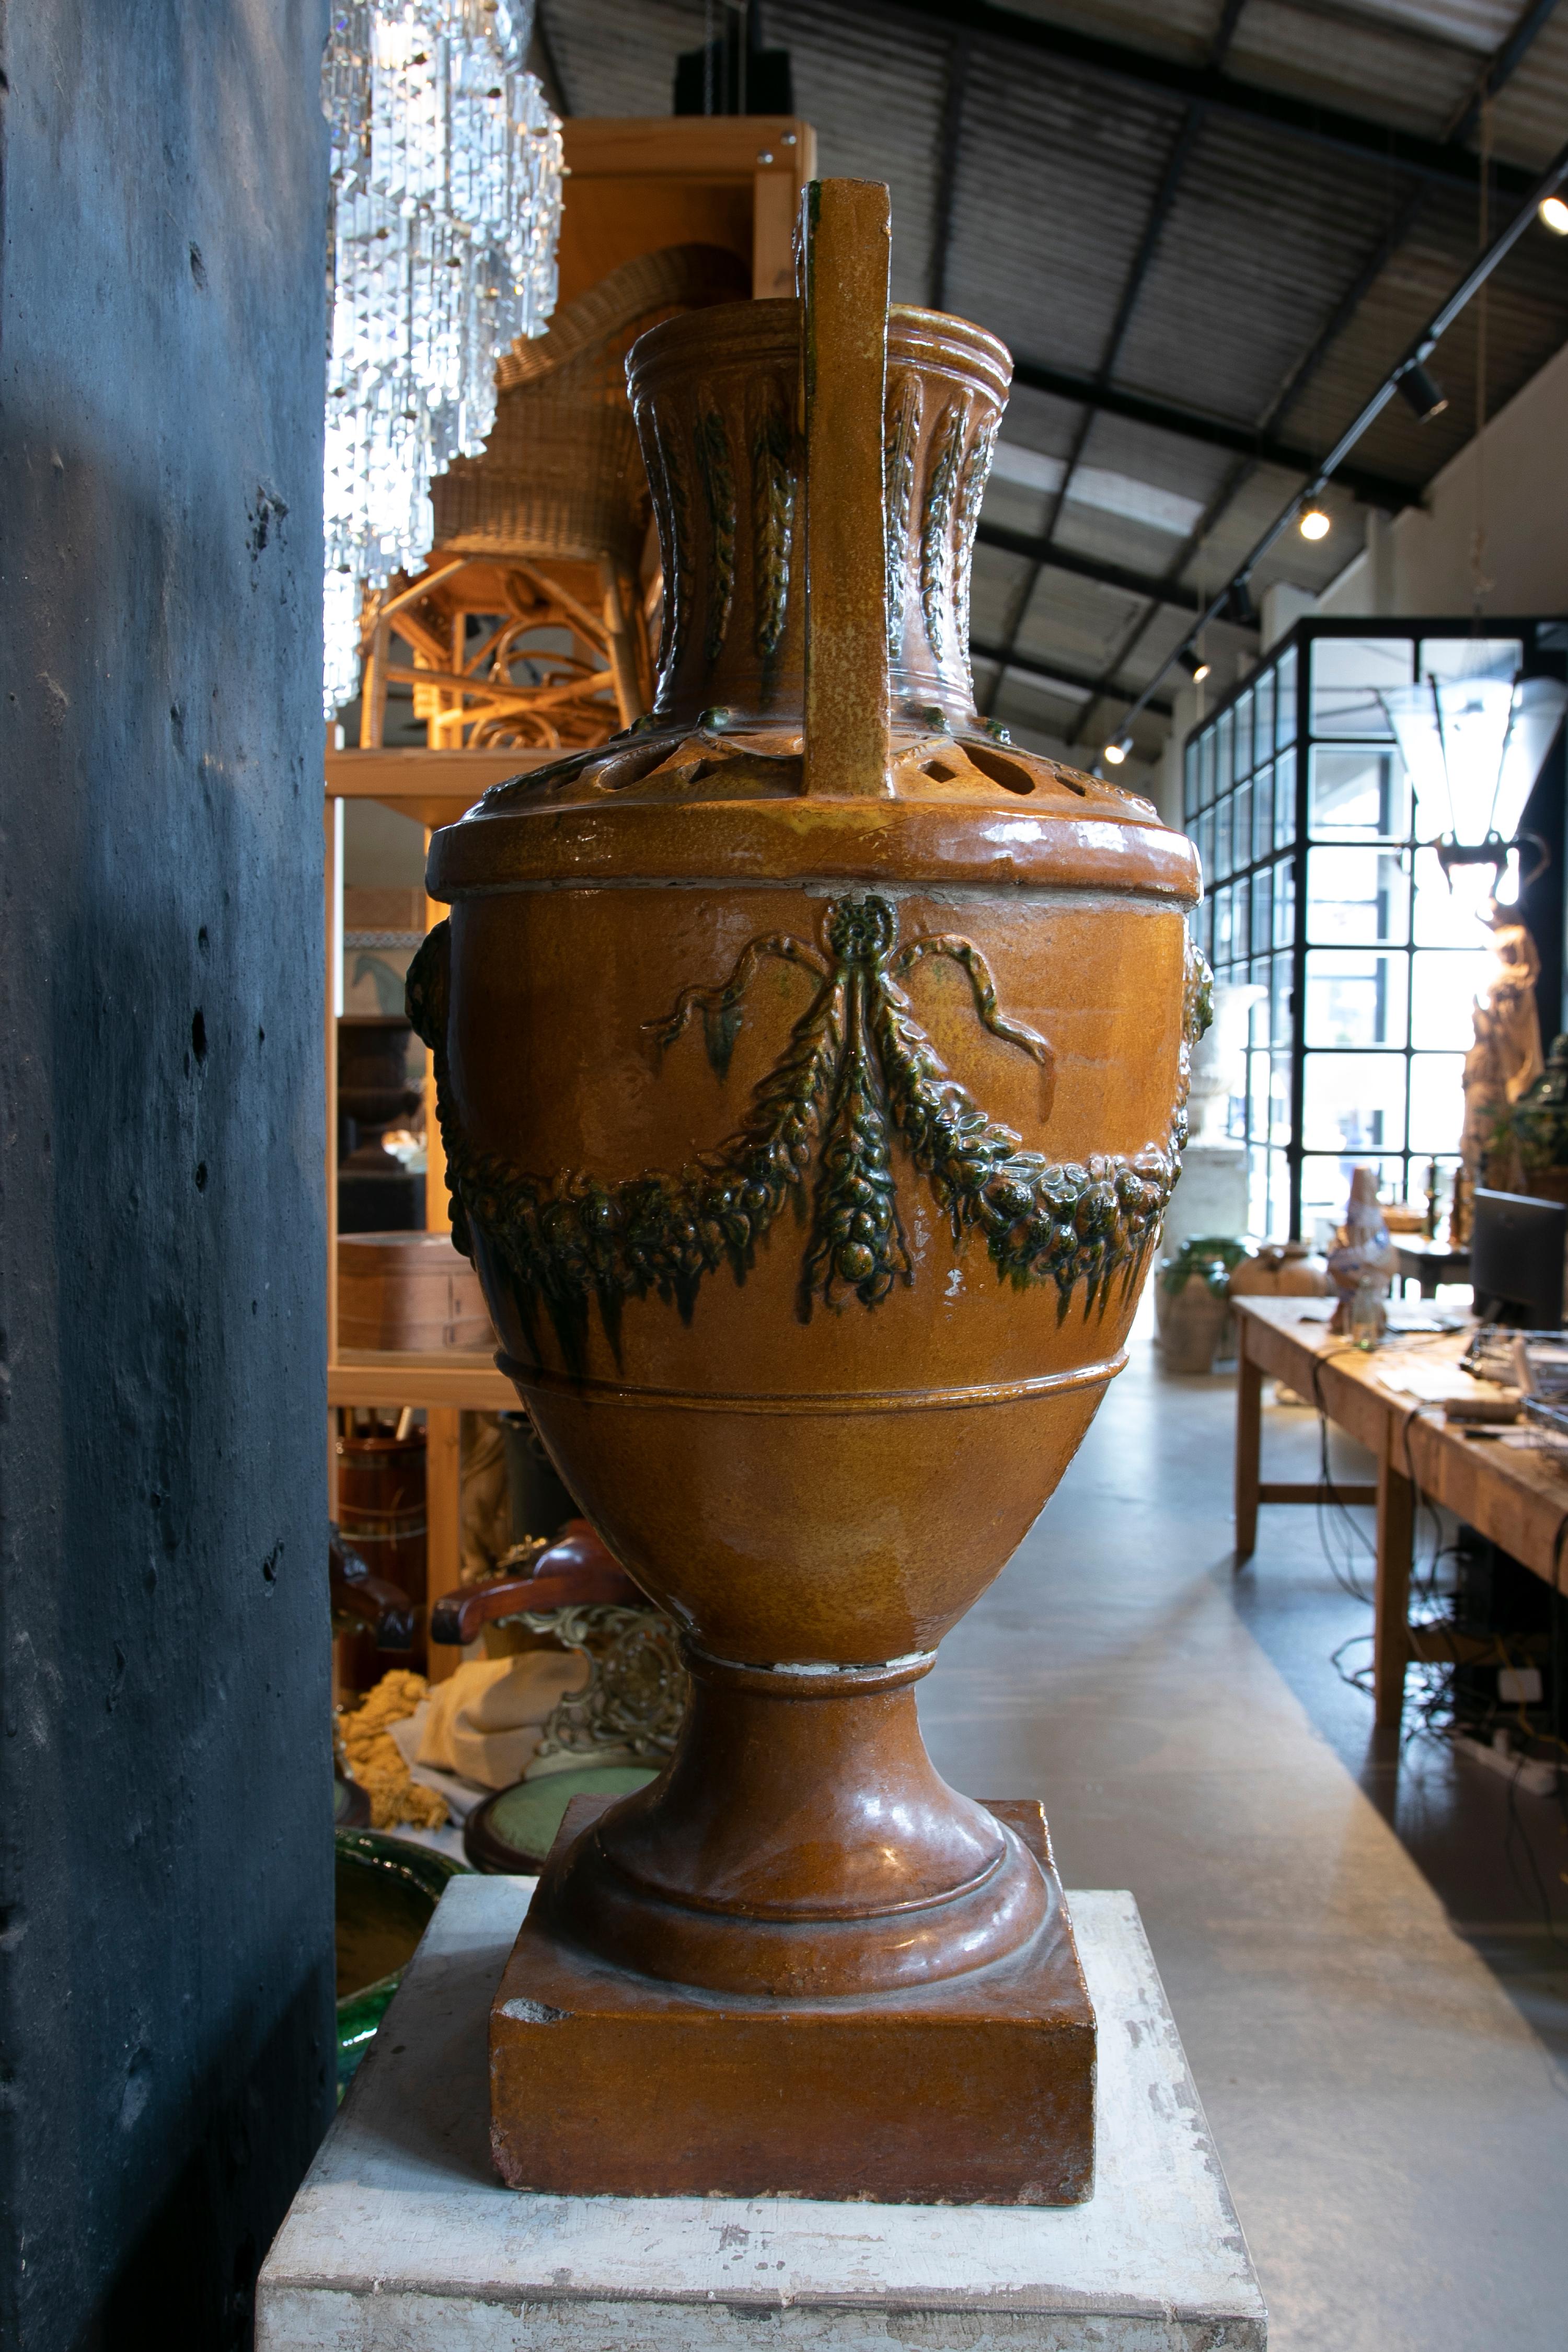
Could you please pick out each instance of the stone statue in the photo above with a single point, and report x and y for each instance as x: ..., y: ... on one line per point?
x: 1363, y: 1257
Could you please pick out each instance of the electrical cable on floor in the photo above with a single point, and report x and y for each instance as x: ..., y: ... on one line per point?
x: 1361, y: 1680
x: 1345, y: 1577
x: 1426, y: 1586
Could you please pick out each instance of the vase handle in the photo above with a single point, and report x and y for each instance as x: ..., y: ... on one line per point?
x: 846, y: 237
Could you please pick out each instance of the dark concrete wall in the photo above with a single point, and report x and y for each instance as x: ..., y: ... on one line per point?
x: 165, y: 1868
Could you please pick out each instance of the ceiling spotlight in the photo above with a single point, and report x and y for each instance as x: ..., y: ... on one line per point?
x: 1192, y: 662
x: 1238, y: 608
x: 1426, y: 395
x: 1554, y: 216
x: 1116, y: 752
x: 1314, y: 524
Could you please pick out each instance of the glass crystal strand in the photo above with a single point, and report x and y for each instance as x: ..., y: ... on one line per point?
x: 446, y: 166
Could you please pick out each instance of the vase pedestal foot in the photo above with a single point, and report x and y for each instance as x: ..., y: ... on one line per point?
x: 975, y: 2090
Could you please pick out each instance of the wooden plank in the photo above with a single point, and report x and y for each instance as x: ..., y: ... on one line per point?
x: 675, y: 146
x: 1248, y: 1444
x: 650, y: 180
x: 775, y: 218
x: 1446, y: 1645
x: 437, y: 1207
x: 846, y: 631
x: 1390, y: 1600
x: 1288, y: 1491
x: 449, y: 1376
x: 1318, y: 1364
x: 1515, y: 1497
x: 443, y: 1523
x: 1283, y: 1352
x: 432, y: 787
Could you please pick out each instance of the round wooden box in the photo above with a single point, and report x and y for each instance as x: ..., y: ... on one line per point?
x: 409, y: 1291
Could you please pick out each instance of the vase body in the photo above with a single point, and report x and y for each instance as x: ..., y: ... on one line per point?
x: 1192, y: 1325
x: 1280, y: 1270
x: 812, y: 1149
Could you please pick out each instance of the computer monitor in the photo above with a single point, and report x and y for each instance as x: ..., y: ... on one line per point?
x: 1517, y: 1248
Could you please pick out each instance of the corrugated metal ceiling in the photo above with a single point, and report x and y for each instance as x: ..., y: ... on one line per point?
x: 1070, y: 116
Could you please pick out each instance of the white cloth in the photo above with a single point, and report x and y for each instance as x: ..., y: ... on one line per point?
x: 484, y: 1722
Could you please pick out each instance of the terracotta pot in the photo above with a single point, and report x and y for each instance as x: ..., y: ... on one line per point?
x: 1191, y: 1323
x: 812, y: 1069
x: 1280, y: 1270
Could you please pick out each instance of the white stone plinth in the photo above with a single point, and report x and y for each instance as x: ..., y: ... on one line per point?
x: 1210, y: 1198
x: 402, y: 2238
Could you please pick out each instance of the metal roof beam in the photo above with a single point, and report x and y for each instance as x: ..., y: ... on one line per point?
x: 1131, y: 286
x: 1443, y: 161
x: 1373, y: 489
x: 980, y: 649
x: 1133, y: 283
x: 1501, y: 66
x: 1553, y: 178
x: 1048, y: 551
x: 1504, y: 64
x: 948, y: 148
x: 547, y: 64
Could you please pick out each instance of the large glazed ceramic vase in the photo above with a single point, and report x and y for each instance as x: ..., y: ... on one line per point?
x: 812, y: 1069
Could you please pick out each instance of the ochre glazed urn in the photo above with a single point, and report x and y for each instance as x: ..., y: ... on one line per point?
x: 812, y: 1067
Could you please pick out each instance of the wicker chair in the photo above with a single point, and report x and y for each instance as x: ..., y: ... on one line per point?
x: 545, y: 531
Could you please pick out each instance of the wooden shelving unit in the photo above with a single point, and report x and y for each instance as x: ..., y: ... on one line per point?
x: 652, y: 181
x: 434, y: 788
x: 634, y: 187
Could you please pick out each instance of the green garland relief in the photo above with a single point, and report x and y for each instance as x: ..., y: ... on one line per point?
x: 773, y: 472
x: 858, y: 1070
x: 719, y: 491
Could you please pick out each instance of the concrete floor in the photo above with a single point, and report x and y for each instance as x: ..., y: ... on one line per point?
x: 1352, y: 1936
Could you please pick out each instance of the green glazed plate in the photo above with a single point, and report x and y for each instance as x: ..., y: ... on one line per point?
x: 512, y: 1832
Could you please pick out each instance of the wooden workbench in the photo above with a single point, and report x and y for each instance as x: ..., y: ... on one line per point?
x: 1515, y: 1497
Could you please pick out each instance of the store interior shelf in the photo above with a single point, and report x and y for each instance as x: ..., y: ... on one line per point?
x: 434, y: 788
x: 461, y: 1378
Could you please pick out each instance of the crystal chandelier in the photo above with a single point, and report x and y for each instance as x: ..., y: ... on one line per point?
x: 446, y: 166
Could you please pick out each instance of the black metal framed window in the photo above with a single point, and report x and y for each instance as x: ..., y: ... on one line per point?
x: 1323, y: 894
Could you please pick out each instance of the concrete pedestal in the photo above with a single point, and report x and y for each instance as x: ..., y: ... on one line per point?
x: 401, y: 2237
x: 1210, y: 1197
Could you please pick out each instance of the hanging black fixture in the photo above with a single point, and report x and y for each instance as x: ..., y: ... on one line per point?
x: 1423, y: 392
x: 735, y: 74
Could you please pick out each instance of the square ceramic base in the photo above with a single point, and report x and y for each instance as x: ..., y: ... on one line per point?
x: 979, y: 2091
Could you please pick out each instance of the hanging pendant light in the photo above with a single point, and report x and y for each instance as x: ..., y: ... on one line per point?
x: 446, y: 173
x: 1473, y: 747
